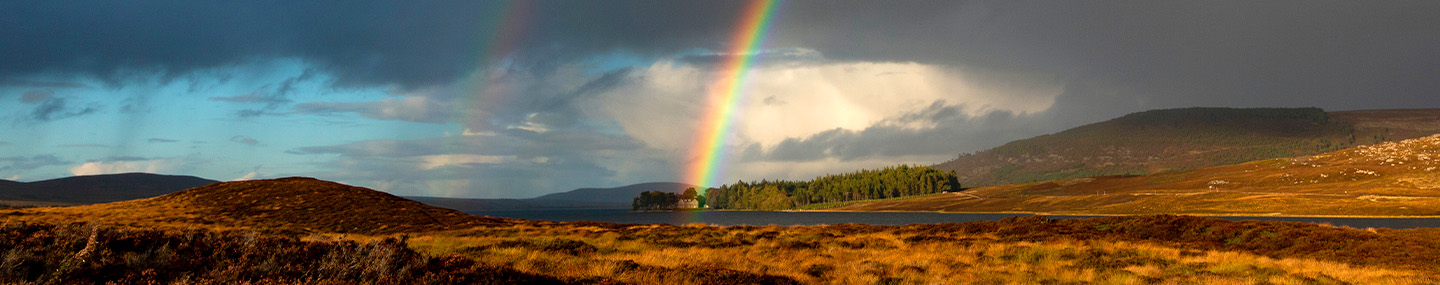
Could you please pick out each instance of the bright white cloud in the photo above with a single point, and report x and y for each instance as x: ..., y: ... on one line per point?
x: 150, y: 166
x: 662, y: 104
x: 247, y: 176
x: 429, y: 162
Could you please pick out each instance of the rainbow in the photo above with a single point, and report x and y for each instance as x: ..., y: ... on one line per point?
x: 504, y: 26
x: 727, y: 91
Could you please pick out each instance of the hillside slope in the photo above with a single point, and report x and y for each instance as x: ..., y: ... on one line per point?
x: 1388, y: 179
x: 286, y: 205
x: 1181, y: 139
x: 106, y: 188
x: 617, y: 197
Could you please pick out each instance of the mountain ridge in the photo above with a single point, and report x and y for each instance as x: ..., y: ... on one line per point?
x: 103, y: 188
x: 614, y: 197
x: 1188, y: 138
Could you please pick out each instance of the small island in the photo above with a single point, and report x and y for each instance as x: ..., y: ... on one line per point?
x: 667, y: 201
x: 822, y: 192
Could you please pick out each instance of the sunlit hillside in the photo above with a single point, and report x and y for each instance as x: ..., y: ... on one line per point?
x: 1388, y: 179
x: 1183, y: 139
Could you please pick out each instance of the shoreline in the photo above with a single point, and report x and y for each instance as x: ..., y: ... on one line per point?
x: 1123, y: 215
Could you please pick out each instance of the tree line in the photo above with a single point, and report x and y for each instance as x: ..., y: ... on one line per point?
x: 661, y: 200
x: 890, y: 182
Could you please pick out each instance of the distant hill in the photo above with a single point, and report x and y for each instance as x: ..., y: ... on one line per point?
x: 285, y: 205
x: 618, y: 197
x: 1190, y: 138
x: 1387, y: 179
x: 91, y: 189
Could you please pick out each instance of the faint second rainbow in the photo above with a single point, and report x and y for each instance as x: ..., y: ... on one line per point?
x: 727, y: 91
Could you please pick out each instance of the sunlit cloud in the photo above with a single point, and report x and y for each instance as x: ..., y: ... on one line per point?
x: 113, y: 167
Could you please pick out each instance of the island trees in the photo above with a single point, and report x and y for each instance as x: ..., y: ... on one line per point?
x: 890, y: 182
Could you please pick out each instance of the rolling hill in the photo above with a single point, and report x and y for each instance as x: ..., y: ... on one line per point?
x: 1180, y: 139
x: 1387, y: 179
x: 92, y: 189
x: 284, y: 205
x: 617, y: 197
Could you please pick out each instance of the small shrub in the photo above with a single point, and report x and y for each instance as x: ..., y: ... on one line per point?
x: 819, y: 270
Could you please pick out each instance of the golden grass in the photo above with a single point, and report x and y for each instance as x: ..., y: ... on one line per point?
x: 1389, y: 179
x: 1027, y: 250
x: 809, y: 255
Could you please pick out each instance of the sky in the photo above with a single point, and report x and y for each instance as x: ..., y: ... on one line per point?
x: 516, y: 99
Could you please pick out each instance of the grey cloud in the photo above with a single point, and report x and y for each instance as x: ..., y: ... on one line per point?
x: 251, y: 98
x: 786, y: 56
x: 249, y: 113
x: 21, y: 163
x: 245, y: 140
x: 952, y: 131
x: 160, y: 140
x: 520, y: 143
x: 270, y: 100
x: 423, y: 111
x: 84, y: 145
x: 55, y: 108
x: 36, y: 96
x: 40, y: 84
x: 379, y: 148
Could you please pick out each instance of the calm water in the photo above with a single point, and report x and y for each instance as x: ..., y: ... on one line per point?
x: 730, y: 218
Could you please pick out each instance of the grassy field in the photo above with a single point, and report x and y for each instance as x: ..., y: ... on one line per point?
x: 1122, y: 250
x: 819, y: 206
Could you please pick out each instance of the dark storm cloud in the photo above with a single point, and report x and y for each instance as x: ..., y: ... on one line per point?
x: 414, y: 45
x: 1334, y: 54
x: 360, y: 43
